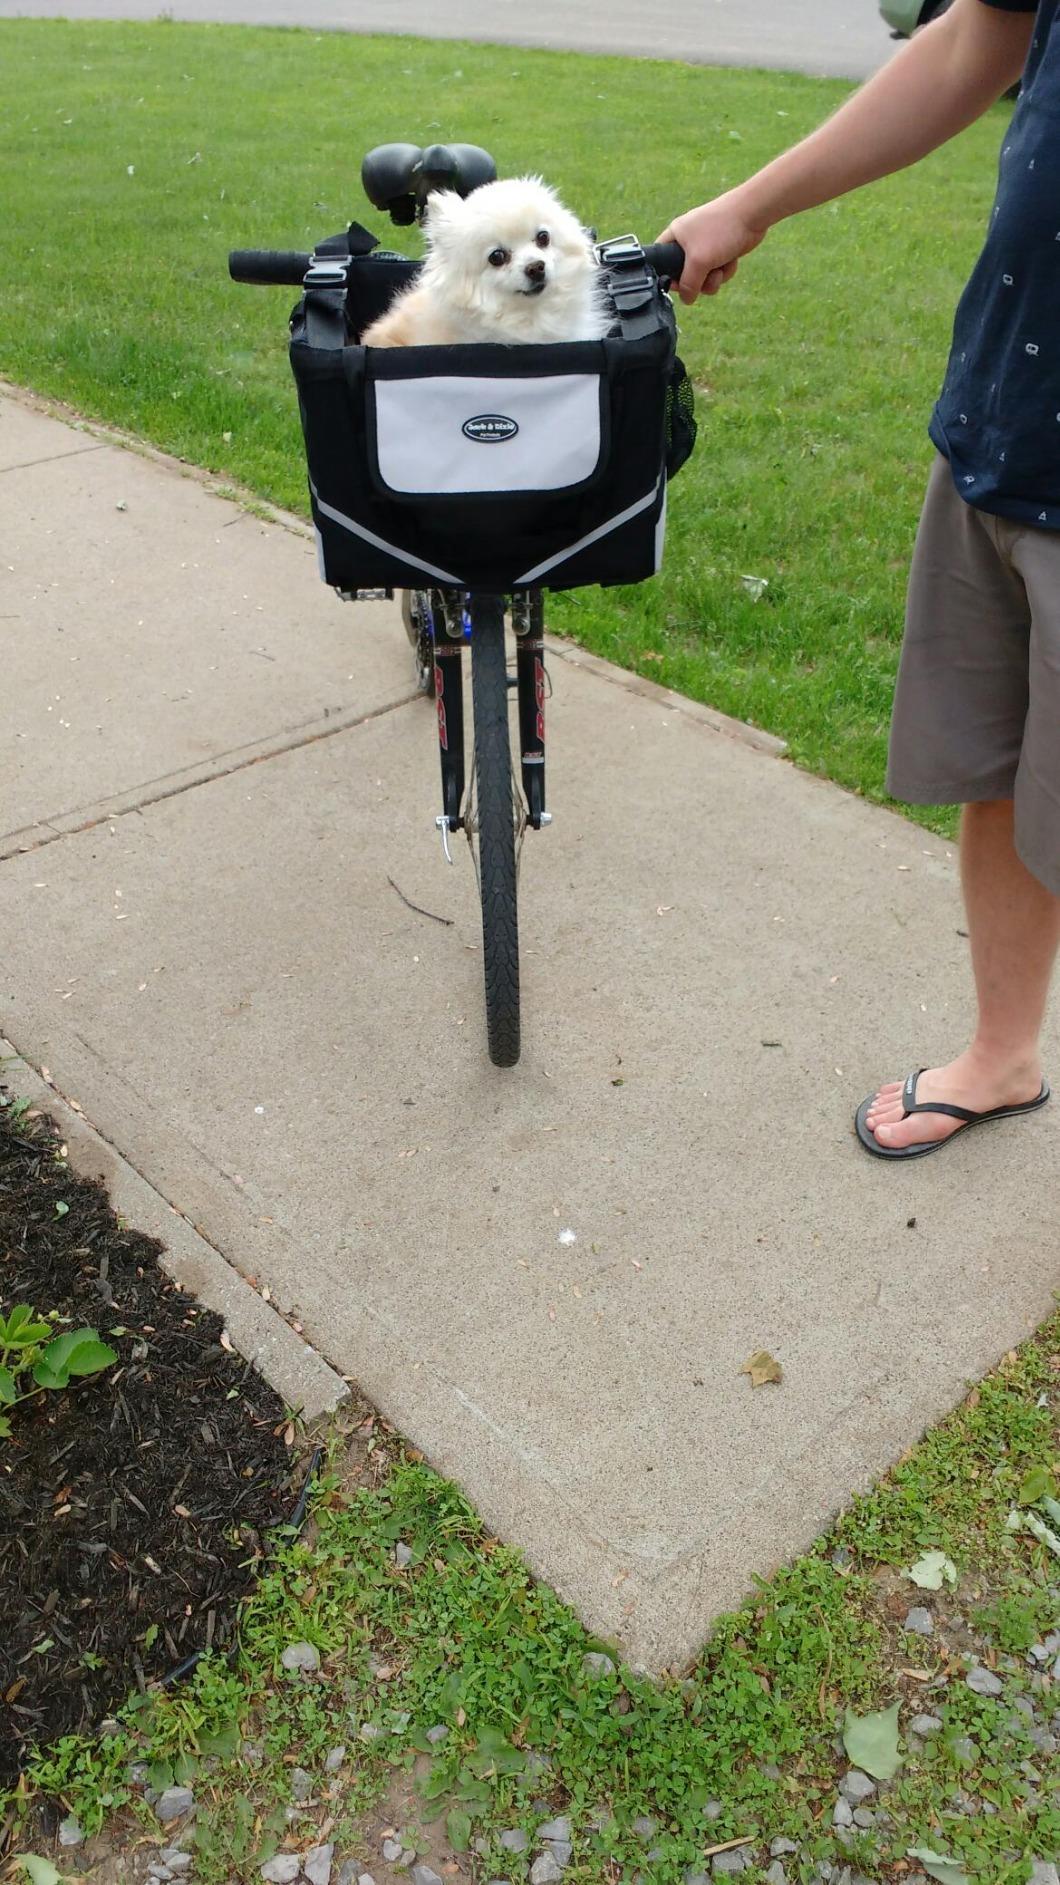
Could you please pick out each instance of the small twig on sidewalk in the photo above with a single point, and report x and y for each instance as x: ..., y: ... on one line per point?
x: 729, y: 1845
x: 447, y: 920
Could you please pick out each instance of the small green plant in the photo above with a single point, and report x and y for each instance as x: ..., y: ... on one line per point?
x: 29, y: 1350
x: 1018, y: 1617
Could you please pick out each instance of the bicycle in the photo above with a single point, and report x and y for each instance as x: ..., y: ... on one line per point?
x: 370, y: 546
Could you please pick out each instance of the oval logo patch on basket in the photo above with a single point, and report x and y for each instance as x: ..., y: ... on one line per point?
x: 489, y: 428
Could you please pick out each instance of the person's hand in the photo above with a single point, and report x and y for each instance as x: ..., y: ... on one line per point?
x: 713, y: 237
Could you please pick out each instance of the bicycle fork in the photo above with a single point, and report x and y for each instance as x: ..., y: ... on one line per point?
x: 528, y: 622
x: 448, y: 638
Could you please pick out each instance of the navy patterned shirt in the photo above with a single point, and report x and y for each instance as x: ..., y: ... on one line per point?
x: 998, y: 415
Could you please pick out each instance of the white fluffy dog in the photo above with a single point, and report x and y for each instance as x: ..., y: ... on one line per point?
x: 508, y: 263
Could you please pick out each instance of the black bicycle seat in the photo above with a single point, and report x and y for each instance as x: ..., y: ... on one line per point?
x: 399, y: 178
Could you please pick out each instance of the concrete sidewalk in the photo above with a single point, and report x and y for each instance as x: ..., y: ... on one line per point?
x: 210, y: 769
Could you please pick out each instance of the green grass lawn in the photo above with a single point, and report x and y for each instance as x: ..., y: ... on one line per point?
x: 136, y: 156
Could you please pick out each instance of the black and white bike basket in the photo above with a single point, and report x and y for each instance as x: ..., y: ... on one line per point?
x: 486, y: 467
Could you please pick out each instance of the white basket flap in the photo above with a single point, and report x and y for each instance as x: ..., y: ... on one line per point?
x: 446, y: 435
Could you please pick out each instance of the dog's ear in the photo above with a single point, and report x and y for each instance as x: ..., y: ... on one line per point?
x: 453, y: 269
x: 445, y: 213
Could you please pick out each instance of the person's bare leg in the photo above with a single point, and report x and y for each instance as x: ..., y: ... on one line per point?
x: 1014, y: 926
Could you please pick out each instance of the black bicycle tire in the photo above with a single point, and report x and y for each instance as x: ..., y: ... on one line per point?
x: 496, y: 830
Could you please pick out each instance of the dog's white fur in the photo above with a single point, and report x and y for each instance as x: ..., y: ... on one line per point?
x: 548, y: 287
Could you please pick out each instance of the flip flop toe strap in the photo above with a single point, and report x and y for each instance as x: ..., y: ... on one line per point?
x: 913, y: 1105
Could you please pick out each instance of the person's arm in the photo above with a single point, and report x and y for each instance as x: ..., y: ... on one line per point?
x: 946, y: 76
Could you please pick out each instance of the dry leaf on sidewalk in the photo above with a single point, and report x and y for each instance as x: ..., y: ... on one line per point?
x: 762, y: 1368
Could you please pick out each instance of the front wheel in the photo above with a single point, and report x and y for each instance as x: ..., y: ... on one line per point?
x: 497, y: 823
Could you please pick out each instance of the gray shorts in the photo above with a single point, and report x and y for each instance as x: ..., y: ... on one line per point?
x: 977, y: 707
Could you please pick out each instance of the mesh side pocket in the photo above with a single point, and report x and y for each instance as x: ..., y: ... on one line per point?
x: 681, y: 427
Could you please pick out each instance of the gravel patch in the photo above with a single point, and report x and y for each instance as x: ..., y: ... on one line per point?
x: 856, y: 1787
x: 316, y: 1864
x: 545, y: 1870
x: 175, y: 1804
x: 301, y: 1656
x: 555, y: 1829
x: 596, y: 1665
x: 920, y: 1621
x: 283, y: 1869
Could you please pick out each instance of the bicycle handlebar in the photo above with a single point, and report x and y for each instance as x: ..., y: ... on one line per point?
x: 285, y: 268
x: 279, y: 267
x: 666, y: 258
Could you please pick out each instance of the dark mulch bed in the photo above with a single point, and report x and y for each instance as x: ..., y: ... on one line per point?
x: 135, y: 1505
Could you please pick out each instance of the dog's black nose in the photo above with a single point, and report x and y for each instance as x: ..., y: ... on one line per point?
x: 535, y: 271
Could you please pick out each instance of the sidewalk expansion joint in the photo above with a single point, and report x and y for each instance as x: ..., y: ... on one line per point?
x: 58, y: 825
x: 51, y: 458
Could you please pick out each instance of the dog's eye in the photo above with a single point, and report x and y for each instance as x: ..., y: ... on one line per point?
x: 498, y: 257
x: 542, y: 238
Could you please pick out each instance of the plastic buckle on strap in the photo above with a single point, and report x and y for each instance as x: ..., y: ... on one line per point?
x: 633, y: 292
x: 632, y: 286
x: 324, y: 291
x: 327, y: 271
x: 620, y: 252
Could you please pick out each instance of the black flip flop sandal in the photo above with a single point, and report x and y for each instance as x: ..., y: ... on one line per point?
x: 912, y: 1105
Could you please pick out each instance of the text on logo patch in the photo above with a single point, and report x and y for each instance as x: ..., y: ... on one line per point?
x: 489, y: 428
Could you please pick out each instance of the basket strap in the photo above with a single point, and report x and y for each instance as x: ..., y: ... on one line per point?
x: 325, y: 307
x: 357, y: 240
x: 635, y: 293
x: 325, y: 284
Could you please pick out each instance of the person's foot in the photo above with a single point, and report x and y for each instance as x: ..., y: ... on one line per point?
x: 967, y: 1081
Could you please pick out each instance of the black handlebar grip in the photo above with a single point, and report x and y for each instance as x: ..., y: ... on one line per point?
x: 666, y: 258
x: 278, y: 267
